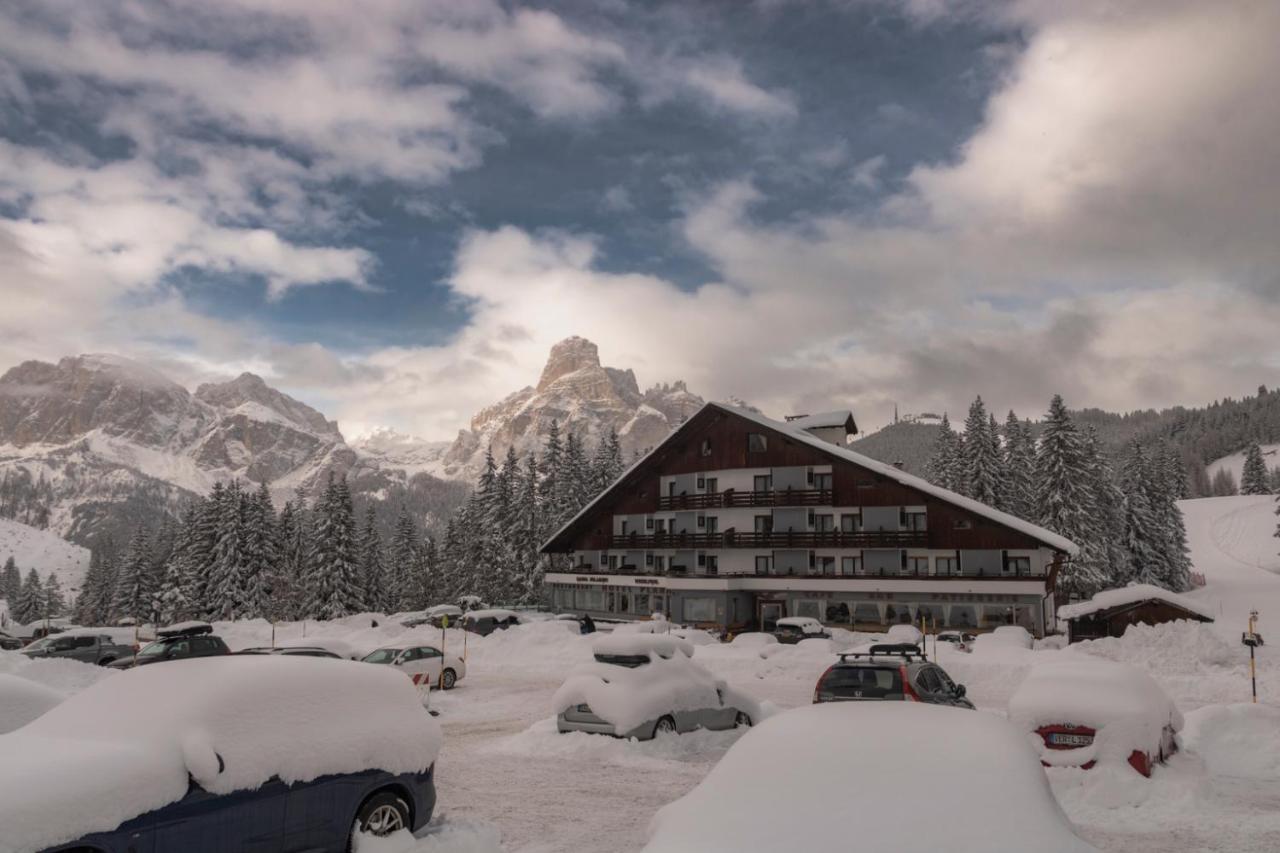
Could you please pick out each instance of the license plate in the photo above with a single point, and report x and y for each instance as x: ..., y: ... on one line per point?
x: 1060, y: 739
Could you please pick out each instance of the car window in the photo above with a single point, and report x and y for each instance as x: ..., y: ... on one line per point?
x: 411, y: 655
x: 863, y: 682
x: 381, y: 656
x: 947, y: 684
x: 152, y: 650
x: 928, y: 680
x: 429, y: 652
x: 63, y: 644
x: 179, y: 649
x: 204, y: 646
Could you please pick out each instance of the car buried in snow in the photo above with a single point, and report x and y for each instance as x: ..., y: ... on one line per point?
x: 793, y: 629
x: 888, y: 672
x: 1089, y: 712
x: 81, y: 644
x: 424, y: 664
x: 221, y: 754
x: 643, y: 685
x: 176, y: 642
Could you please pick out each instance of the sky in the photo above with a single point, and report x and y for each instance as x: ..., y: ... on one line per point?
x: 392, y: 210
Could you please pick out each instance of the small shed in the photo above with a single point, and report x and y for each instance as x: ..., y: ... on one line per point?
x: 1110, y: 612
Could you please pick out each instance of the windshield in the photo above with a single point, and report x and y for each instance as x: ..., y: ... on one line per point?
x: 630, y: 661
x: 381, y: 656
x: 40, y: 644
x: 862, y: 682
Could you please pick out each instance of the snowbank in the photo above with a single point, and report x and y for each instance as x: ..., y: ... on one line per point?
x: 799, y: 782
x: 806, y: 624
x: 1124, y: 705
x: 231, y: 723
x: 754, y: 638
x: 1131, y: 594
x: 1241, y: 740
x: 904, y: 634
x: 61, y: 674
x: 543, y: 742
x: 665, y: 645
x: 21, y: 701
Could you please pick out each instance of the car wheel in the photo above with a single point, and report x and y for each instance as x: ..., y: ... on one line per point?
x: 665, y: 726
x: 741, y: 720
x: 448, y: 679
x: 382, y: 814
x: 105, y: 662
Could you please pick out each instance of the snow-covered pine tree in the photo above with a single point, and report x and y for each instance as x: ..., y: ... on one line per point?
x: 11, y: 581
x: 1145, y: 558
x: 1253, y: 478
x: 528, y: 534
x: 550, y: 491
x: 1166, y: 482
x: 225, y: 589
x: 1223, y: 484
x: 203, y: 557
x: 55, y: 603
x: 30, y: 600
x: 1000, y: 473
x: 1020, y: 468
x: 261, y: 551
x: 1103, y: 546
x: 176, y: 582
x: 945, y: 464
x: 402, y: 588
x: 577, y: 475
x: 1273, y: 480
x: 131, y: 597
x: 428, y: 587
x: 334, y: 588
x: 979, y: 477
x: 372, y: 565
x: 1064, y: 502
x: 606, y: 464
x: 93, y: 606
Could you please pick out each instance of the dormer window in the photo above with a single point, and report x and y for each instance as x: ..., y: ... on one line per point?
x: 705, y: 447
x: 757, y: 442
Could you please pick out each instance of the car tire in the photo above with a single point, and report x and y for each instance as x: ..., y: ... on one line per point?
x: 448, y: 679
x: 742, y: 720
x: 380, y: 815
x: 665, y: 725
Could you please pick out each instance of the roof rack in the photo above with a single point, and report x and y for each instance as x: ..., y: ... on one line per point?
x: 903, y: 650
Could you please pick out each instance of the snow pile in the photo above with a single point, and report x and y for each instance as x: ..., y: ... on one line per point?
x: 1124, y: 705
x: 61, y: 674
x: 339, y: 647
x: 904, y: 634
x: 754, y: 638
x: 1181, y: 647
x: 628, y: 696
x: 542, y: 742
x: 446, y: 837
x: 497, y: 613
x: 1242, y: 741
x: 664, y: 645
x: 1134, y: 593
x: 21, y: 701
x: 228, y: 723
x: 805, y: 623
x: 828, y: 791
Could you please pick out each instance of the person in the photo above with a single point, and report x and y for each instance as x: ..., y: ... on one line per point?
x: 587, y: 624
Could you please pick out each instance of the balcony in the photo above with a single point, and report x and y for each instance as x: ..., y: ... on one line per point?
x: 773, y: 539
x: 731, y: 498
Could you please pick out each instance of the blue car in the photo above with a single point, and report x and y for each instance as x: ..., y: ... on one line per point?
x: 251, y: 754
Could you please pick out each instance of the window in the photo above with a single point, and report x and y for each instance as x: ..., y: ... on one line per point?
x: 659, y: 526
x: 827, y: 566
x: 1018, y: 566
x: 713, y: 524
x: 613, y: 561
x: 671, y: 489
x: 964, y: 524
x: 822, y: 482
x: 762, y: 483
x: 659, y: 604
x: 699, y: 610
x: 913, y: 520
x: 702, y: 559
x: 648, y: 558
x: 929, y: 681
x: 946, y: 566
x: 624, y: 527
x: 702, y: 521
x: 809, y: 607
x: 851, y: 523
x: 757, y: 442
x: 850, y: 565
x: 763, y: 564
x: 713, y: 564
x: 918, y: 565
x: 824, y: 523
x: 641, y: 602
x: 705, y: 448
x: 711, y: 485
x: 659, y: 562
x: 837, y: 611
x: 764, y: 524
x: 590, y: 599
x: 648, y: 523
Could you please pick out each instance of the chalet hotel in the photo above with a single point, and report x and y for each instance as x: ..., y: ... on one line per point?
x: 737, y: 520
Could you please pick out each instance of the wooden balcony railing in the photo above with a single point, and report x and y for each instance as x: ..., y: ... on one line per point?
x: 731, y: 498
x: 774, y: 539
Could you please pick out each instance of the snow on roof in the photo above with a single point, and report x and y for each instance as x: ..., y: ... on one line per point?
x: 1132, y: 594
x: 493, y: 613
x: 821, y: 420
x: 1051, y: 539
x: 444, y: 610
x: 918, y: 765
x: 641, y: 644
x: 261, y: 715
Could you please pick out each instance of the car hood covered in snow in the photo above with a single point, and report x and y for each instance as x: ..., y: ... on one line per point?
x: 129, y: 744
x: 907, y: 788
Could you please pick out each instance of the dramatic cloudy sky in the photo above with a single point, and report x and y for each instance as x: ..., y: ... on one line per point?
x: 393, y: 209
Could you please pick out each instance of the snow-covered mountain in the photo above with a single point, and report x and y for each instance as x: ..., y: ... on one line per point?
x: 582, y: 395
x: 45, y: 552
x: 395, y: 451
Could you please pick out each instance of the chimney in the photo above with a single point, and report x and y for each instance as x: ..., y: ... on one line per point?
x: 899, y: 464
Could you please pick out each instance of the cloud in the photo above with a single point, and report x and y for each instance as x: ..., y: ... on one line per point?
x: 723, y: 82
x: 617, y: 199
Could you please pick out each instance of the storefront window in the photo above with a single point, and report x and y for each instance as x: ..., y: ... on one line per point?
x: 590, y: 599
x: 809, y: 607
x: 699, y: 610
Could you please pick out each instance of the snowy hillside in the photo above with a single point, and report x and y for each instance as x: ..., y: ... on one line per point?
x: 1234, y: 464
x: 1233, y: 544
x: 44, y: 552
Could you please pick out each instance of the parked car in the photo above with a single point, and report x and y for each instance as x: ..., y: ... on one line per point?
x: 1091, y: 711
x: 301, y: 651
x: 793, y: 629
x: 485, y: 622
x: 904, y: 633
x: 9, y: 643
x: 875, y: 778
x: 422, y: 664
x: 959, y: 640
x: 1004, y: 637
x: 178, y: 642
x: 100, y: 649
x: 642, y: 685
x: 262, y: 753
x: 896, y: 672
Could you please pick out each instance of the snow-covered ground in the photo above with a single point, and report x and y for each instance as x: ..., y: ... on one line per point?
x: 508, y: 781
x: 44, y: 551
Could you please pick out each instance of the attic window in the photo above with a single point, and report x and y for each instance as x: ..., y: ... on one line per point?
x: 757, y: 442
x: 964, y: 524
x: 705, y: 448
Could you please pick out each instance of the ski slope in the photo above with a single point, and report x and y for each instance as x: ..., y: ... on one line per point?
x: 1234, y: 463
x: 1233, y: 544
x: 44, y: 551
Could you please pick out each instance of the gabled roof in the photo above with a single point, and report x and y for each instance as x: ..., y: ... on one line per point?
x: 841, y: 418
x: 1133, y: 594
x: 1046, y: 537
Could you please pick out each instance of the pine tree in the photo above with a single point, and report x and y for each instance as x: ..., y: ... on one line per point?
x: 945, y: 464
x: 527, y: 531
x: 334, y: 588
x: 1166, y: 484
x: 1253, y: 478
x: 577, y: 477
x: 428, y: 587
x: 1064, y: 502
x: 54, y: 603
x: 550, y: 491
x: 261, y: 552
x: 1102, y: 549
x: 1274, y: 481
x: 10, y: 582
x: 372, y: 565
x: 1223, y: 484
x: 30, y: 601
x: 607, y: 464
x: 225, y: 592
x: 1020, y: 468
x: 93, y: 607
x: 175, y: 584
x: 132, y: 596
x: 402, y: 587
x: 979, y: 478
x: 1145, y: 560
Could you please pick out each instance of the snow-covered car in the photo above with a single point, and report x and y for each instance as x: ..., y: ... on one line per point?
x: 793, y: 629
x: 907, y: 789
x: 1007, y: 637
x: 81, y: 644
x: 422, y: 663
x: 9, y: 643
x: 221, y: 754
x: 300, y: 651
x: 176, y: 642
x: 485, y: 622
x: 22, y: 700
x: 641, y: 685
x: 904, y: 633
x: 888, y: 673
x: 1081, y: 713
x: 958, y: 640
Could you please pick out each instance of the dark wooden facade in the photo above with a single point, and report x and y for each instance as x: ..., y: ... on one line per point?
x: 949, y: 526
x: 1113, y: 621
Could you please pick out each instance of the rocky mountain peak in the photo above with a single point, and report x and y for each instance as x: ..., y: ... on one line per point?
x: 251, y: 396
x: 569, y: 356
